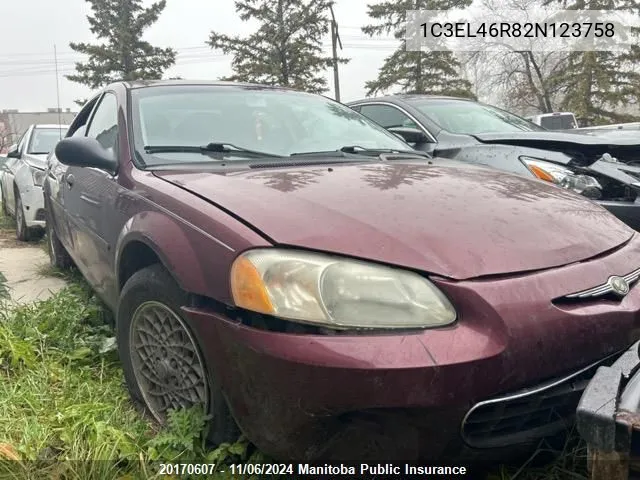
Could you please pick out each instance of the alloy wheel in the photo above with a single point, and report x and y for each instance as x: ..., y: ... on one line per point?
x: 166, y: 361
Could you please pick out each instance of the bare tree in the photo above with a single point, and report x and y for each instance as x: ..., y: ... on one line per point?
x: 6, y: 138
x: 522, y: 80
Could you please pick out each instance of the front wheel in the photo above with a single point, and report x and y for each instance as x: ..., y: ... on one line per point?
x: 58, y: 255
x: 162, y: 361
x: 22, y: 231
x: 5, y: 207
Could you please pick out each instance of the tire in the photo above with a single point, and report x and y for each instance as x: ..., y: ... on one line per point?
x: 151, y: 292
x: 5, y: 209
x: 22, y: 231
x: 58, y: 255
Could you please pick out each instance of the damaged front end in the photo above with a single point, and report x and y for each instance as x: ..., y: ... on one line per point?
x: 608, y: 173
x: 608, y: 418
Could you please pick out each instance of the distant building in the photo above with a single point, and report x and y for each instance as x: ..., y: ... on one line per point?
x: 13, y: 123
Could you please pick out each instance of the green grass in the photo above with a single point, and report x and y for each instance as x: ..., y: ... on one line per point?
x: 6, y: 222
x: 64, y: 410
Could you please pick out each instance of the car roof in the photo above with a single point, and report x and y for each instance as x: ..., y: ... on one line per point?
x: 407, y: 97
x: 47, y: 125
x: 136, y: 84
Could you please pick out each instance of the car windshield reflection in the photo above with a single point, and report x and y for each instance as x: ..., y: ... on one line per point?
x: 272, y: 121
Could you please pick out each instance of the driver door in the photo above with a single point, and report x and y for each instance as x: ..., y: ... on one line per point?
x: 10, y: 169
x: 86, y: 192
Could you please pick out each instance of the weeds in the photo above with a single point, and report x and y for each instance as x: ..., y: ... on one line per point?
x: 65, y: 412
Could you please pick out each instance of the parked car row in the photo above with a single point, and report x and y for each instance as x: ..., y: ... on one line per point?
x: 335, y: 292
x: 21, y: 177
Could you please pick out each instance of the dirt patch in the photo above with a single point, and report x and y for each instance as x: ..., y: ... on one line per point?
x: 25, y: 266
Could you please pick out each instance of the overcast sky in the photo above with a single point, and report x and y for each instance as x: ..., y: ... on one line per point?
x: 31, y: 28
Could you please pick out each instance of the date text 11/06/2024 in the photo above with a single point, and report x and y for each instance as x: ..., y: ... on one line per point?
x: 308, y: 469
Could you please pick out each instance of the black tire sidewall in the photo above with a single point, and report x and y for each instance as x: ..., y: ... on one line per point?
x: 58, y: 255
x: 154, y: 283
x: 5, y: 209
x: 22, y: 232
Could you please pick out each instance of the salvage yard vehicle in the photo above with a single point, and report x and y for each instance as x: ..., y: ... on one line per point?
x: 555, y: 120
x: 608, y: 418
x: 21, y: 178
x: 299, y: 272
x: 596, y: 166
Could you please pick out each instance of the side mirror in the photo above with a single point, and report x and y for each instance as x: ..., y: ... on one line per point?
x: 85, y: 152
x: 410, y: 135
x: 13, y: 152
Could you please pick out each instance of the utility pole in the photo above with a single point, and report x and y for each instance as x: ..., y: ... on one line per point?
x: 335, y: 41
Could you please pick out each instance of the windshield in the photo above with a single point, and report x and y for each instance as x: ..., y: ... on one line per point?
x: 43, y: 140
x: 471, y: 118
x: 273, y: 121
x: 559, y: 122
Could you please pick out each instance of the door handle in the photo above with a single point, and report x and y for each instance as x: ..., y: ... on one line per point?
x: 69, y: 178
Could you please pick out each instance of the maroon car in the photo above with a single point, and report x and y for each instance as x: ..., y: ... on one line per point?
x: 296, y: 269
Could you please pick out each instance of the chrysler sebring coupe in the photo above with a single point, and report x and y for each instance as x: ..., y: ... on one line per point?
x: 300, y: 273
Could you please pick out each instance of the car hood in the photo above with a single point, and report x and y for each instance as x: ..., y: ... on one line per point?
x: 590, y: 146
x: 455, y: 221
x: 36, y: 160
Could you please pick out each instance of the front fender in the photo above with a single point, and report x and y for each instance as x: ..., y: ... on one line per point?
x: 172, y: 244
x: 501, y: 157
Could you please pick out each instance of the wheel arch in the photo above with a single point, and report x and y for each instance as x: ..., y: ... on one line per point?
x: 151, y: 238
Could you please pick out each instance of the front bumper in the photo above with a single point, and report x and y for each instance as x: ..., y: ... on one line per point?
x: 33, y: 203
x: 413, y: 396
x: 608, y: 418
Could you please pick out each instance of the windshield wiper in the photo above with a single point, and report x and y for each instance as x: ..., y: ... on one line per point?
x: 213, y: 147
x: 358, y: 150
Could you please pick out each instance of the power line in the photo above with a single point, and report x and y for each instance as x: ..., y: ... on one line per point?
x: 17, y: 55
x: 68, y: 67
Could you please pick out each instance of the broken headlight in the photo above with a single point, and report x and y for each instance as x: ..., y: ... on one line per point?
x: 564, y: 177
x: 37, y: 175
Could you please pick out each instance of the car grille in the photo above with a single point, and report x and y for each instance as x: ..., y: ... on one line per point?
x: 528, y: 414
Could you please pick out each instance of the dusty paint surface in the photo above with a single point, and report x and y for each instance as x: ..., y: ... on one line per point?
x: 23, y: 265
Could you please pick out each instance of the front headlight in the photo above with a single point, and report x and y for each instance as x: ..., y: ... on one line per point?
x: 336, y: 292
x: 550, y: 172
x: 38, y: 176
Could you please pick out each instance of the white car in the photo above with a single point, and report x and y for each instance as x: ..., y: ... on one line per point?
x: 21, y: 178
x: 555, y: 120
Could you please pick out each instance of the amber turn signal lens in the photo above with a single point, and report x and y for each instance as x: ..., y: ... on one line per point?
x: 248, y: 289
x: 541, y: 174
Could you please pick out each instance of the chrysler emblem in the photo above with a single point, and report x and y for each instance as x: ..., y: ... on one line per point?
x: 618, y: 285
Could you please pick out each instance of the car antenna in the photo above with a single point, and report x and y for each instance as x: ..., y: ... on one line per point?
x: 55, y: 59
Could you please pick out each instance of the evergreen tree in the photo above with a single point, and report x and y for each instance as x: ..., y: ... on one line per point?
x: 414, y: 72
x: 122, y: 55
x: 597, y: 84
x: 285, y: 50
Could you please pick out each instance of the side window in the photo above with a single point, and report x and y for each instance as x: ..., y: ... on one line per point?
x: 22, y: 141
x: 387, y: 116
x: 79, y: 125
x: 104, y: 124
